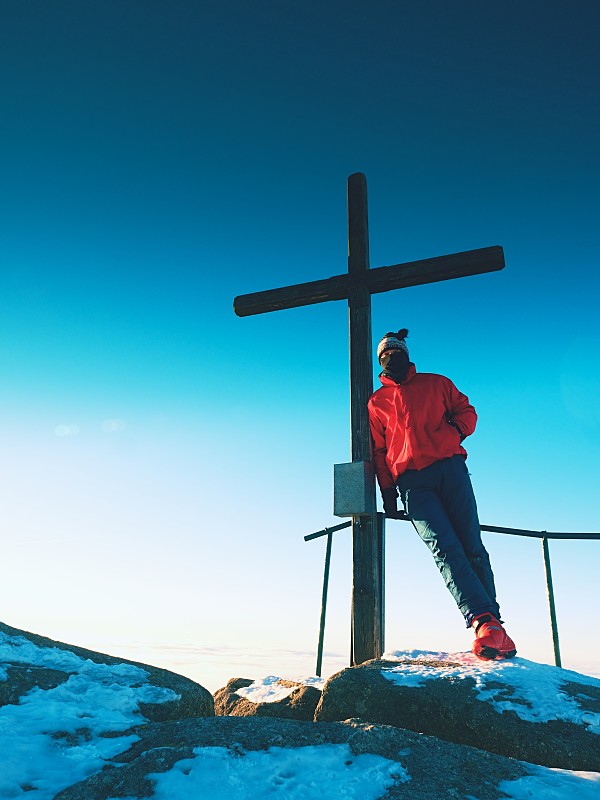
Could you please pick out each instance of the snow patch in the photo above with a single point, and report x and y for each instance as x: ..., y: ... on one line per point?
x: 54, y: 737
x: 272, y: 689
x: 302, y: 773
x: 547, y: 783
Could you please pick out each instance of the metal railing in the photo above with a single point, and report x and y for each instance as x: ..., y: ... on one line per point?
x: 543, y: 535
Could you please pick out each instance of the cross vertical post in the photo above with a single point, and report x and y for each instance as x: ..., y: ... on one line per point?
x: 357, y: 286
x: 367, y: 536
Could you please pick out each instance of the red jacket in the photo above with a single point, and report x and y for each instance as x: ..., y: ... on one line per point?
x: 416, y: 422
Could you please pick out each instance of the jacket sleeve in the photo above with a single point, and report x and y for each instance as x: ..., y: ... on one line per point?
x: 461, y: 413
x: 384, y: 476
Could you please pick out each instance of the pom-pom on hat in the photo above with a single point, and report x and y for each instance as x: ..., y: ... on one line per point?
x: 393, y: 341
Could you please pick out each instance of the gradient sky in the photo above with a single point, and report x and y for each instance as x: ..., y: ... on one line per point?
x: 161, y: 458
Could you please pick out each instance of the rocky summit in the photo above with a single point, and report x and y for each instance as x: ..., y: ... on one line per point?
x: 515, y: 708
x: 80, y: 725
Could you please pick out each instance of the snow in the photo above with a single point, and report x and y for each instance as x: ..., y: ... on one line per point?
x: 303, y: 773
x: 553, y: 784
x: 54, y: 737
x: 538, y: 695
x: 271, y: 689
x: 58, y: 736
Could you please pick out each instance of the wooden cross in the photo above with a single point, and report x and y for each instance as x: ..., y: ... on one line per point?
x: 357, y: 286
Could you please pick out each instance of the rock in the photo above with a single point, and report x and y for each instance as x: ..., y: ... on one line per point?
x: 473, y: 705
x: 428, y: 769
x: 300, y: 704
x: 24, y: 673
x: 74, y: 729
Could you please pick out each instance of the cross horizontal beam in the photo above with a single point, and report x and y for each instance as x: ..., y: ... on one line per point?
x: 379, y: 279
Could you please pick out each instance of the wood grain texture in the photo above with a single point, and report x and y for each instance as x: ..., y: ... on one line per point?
x: 378, y: 280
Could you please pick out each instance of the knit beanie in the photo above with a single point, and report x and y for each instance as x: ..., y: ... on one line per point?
x: 393, y: 341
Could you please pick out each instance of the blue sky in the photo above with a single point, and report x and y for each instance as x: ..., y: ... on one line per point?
x: 162, y: 459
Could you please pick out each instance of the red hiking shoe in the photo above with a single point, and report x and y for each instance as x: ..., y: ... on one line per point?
x: 491, y: 641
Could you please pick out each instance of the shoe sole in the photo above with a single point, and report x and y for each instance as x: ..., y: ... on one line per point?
x: 508, y: 654
x: 487, y: 653
x: 491, y: 654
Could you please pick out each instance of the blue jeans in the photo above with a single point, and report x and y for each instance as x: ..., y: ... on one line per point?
x: 441, y: 505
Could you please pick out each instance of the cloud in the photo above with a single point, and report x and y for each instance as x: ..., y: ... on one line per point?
x: 113, y: 425
x: 66, y: 430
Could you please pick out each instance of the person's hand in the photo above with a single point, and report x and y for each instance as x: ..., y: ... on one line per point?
x: 457, y: 428
x: 390, y: 500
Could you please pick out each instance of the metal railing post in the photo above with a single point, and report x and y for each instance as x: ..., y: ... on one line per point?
x: 324, y: 604
x: 381, y: 561
x: 553, y: 623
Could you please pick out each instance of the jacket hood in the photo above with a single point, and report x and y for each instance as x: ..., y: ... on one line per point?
x: 386, y: 381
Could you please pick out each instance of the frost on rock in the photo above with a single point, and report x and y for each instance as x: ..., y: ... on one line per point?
x: 535, y: 692
x: 53, y: 737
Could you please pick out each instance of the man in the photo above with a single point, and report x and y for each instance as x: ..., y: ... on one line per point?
x: 418, y: 422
